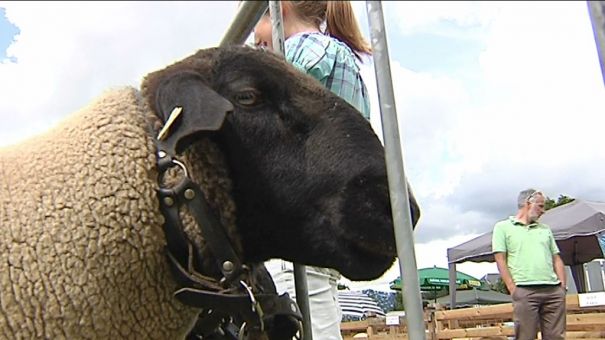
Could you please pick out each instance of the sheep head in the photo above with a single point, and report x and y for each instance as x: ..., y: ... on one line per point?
x: 308, y: 173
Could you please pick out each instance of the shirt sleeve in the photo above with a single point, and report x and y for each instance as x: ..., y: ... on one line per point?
x: 309, y: 55
x: 498, y: 239
x: 318, y: 68
x: 554, y: 249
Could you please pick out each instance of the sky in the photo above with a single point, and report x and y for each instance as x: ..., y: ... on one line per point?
x: 492, y: 97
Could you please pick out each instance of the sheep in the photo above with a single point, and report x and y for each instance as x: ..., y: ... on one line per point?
x: 294, y: 172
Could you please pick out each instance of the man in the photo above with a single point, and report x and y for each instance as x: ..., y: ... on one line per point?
x: 529, y: 263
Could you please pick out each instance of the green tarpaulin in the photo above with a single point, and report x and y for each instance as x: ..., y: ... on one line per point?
x: 437, y: 278
x: 475, y: 297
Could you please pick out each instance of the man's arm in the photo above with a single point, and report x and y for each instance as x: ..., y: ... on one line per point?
x: 559, y: 268
x: 504, y: 273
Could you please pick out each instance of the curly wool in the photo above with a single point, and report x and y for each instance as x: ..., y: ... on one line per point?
x: 81, y: 247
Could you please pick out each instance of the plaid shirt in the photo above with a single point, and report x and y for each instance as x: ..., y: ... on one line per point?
x: 332, y: 63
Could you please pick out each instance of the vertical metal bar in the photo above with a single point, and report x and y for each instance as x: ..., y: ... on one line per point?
x: 302, y: 299
x: 596, y: 10
x: 452, y: 285
x: 277, y: 27
x: 243, y: 23
x: 397, y: 181
x: 300, y: 272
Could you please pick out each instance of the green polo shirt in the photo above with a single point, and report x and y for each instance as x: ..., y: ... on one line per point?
x: 529, y: 250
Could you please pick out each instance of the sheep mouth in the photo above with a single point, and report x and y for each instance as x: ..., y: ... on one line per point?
x: 364, y: 265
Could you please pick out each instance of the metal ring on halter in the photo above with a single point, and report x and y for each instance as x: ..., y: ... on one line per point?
x: 252, y: 299
x: 256, y: 309
x: 175, y: 162
x: 183, y: 167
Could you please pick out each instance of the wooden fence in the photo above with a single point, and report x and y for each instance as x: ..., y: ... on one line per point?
x: 486, y: 322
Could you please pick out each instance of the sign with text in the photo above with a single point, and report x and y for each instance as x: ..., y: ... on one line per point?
x: 392, y: 320
x: 591, y: 299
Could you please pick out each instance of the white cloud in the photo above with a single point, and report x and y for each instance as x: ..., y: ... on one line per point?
x: 69, y: 52
x: 445, y: 18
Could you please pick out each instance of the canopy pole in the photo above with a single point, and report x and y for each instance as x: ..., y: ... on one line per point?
x: 400, y: 202
x: 579, y: 277
x: 300, y: 272
x: 452, y: 284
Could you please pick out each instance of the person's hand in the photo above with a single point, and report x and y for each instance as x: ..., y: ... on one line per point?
x: 511, y: 288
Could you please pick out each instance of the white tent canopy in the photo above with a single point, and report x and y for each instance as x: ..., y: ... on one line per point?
x: 357, y: 305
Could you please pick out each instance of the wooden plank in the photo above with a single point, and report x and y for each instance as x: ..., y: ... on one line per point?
x: 475, y: 332
x: 585, y: 327
x: 354, y: 325
x: 586, y: 322
x: 504, y: 310
x: 491, y: 312
x: 388, y: 337
x: 586, y: 318
x: 592, y: 325
x: 585, y: 334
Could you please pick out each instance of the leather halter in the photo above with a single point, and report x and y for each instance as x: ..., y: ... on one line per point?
x: 224, y: 301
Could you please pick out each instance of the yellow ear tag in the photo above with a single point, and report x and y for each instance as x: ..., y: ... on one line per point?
x: 173, y: 116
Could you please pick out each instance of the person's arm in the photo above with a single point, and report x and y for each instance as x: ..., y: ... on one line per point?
x: 504, y: 273
x: 557, y: 262
x: 500, y: 251
x: 559, y: 268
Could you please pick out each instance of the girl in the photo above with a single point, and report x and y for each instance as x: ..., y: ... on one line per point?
x: 330, y: 56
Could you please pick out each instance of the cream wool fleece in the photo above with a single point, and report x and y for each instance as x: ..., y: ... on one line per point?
x: 81, y: 242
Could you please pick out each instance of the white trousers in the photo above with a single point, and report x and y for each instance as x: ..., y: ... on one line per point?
x: 323, y: 296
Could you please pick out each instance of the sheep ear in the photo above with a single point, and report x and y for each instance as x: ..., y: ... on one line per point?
x: 203, y: 109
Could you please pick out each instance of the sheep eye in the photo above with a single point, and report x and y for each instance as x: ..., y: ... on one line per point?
x: 247, y: 98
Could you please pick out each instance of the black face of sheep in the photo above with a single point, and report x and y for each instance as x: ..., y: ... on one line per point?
x: 308, y: 172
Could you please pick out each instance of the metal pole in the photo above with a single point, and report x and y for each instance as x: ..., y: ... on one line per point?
x: 300, y: 273
x: 302, y: 299
x: 243, y: 23
x: 452, y: 285
x: 596, y: 10
x: 277, y: 27
x: 397, y: 183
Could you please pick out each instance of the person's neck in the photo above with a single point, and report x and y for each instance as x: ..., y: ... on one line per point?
x: 295, y: 27
x: 522, y: 217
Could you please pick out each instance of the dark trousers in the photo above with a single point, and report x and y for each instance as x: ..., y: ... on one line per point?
x: 542, y: 306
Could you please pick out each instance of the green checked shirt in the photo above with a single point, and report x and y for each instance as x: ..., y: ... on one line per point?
x: 332, y: 63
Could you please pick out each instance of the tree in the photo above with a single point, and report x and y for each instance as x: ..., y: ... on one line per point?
x: 399, y: 301
x: 549, y: 203
x: 342, y: 286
